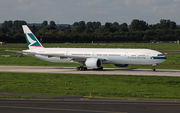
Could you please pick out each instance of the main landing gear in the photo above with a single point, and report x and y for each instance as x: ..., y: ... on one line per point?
x: 81, y: 68
x: 85, y: 68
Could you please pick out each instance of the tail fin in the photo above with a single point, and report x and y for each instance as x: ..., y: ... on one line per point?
x: 32, y: 41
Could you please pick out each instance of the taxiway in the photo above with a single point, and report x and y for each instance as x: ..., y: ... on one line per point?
x: 105, y: 71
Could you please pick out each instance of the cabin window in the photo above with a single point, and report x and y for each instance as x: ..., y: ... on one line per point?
x: 77, y: 54
x: 87, y: 54
x: 160, y: 54
x: 114, y: 55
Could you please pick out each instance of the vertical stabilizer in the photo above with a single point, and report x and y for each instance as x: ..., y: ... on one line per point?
x: 32, y: 41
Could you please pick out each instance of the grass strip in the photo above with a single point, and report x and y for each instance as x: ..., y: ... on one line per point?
x: 160, y: 46
x: 111, y: 86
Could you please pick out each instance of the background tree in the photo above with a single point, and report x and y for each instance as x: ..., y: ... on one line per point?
x: 165, y: 24
x: 89, y: 25
x: 45, y: 23
x: 18, y: 24
x: 115, y: 24
x: 98, y: 24
x: 52, y: 23
x: 95, y: 25
x: 68, y: 30
x: 122, y: 28
x: 107, y: 25
x: 138, y: 25
x: 7, y: 24
x: 138, y: 31
x: 173, y: 25
x: 82, y: 24
x: 124, y: 24
x: 76, y: 24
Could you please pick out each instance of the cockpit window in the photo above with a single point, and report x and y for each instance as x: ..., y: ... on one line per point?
x: 160, y: 54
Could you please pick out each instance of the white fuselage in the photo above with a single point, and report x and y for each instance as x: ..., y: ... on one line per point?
x: 112, y: 56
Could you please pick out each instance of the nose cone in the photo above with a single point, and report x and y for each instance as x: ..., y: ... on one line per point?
x: 163, y: 58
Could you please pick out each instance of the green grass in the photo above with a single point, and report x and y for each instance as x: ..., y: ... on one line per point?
x: 111, y: 86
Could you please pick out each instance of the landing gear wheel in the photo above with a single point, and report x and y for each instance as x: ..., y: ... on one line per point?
x: 81, y: 68
x: 78, y: 68
x: 153, y: 69
x: 101, y: 68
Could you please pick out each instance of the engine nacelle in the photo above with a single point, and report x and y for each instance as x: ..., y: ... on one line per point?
x: 121, y: 65
x: 93, y: 63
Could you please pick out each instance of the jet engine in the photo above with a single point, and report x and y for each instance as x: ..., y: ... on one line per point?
x: 121, y: 65
x: 93, y: 63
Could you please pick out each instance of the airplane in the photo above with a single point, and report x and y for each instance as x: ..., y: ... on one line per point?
x: 91, y: 58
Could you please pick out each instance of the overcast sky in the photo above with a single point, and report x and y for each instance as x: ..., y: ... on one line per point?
x: 70, y: 11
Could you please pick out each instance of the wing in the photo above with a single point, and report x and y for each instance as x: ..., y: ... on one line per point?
x: 14, y: 51
x: 72, y: 57
x: 22, y: 52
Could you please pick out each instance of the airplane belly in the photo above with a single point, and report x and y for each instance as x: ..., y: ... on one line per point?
x: 118, y: 60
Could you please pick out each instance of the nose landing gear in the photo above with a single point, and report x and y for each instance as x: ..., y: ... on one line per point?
x: 154, y: 65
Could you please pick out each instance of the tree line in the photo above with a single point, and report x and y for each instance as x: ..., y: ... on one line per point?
x: 137, y: 31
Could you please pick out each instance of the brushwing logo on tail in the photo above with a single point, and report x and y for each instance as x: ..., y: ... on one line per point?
x: 31, y: 40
